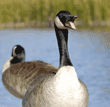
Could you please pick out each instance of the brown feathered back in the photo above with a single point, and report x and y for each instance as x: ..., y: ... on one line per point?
x: 17, y: 78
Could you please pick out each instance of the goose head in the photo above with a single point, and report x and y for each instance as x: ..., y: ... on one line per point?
x: 64, y: 20
x: 18, y: 54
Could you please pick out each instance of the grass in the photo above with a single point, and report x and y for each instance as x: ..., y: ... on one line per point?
x: 88, y: 11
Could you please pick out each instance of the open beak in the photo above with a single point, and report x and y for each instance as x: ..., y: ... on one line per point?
x: 70, y: 24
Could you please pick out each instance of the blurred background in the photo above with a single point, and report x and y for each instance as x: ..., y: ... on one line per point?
x: 92, y: 14
x: 89, y: 46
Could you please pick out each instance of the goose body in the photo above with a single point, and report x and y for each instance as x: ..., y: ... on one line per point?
x: 63, y: 89
x: 17, y: 74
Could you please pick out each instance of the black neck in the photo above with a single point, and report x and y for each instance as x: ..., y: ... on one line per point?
x: 16, y: 60
x: 62, y: 38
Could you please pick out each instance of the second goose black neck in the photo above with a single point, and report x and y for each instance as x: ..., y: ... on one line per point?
x: 62, y: 39
x: 16, y: 60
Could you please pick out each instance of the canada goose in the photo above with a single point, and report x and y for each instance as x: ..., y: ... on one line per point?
x: 63, y: 89
x: 17, y: 74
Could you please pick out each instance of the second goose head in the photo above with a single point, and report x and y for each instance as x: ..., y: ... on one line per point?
x: 17, y: 55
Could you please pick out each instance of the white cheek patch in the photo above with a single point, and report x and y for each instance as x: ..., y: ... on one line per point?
x: 59, y: 24
x: 14, y: 48
x: 14, y: 54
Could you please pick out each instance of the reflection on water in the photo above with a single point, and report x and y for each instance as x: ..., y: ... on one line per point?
x: 89, y: 53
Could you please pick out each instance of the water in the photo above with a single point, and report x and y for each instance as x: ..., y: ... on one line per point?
x: 89, y: 53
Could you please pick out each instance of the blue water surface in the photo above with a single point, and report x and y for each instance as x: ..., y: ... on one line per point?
x: 89, y: 53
